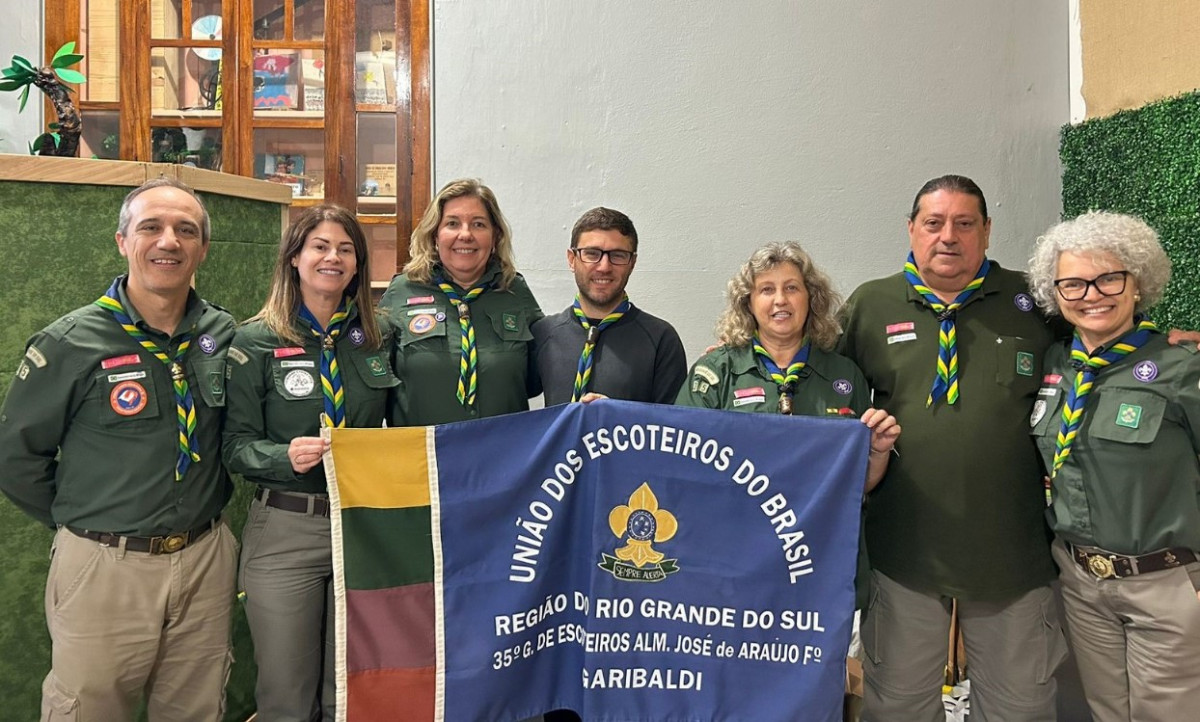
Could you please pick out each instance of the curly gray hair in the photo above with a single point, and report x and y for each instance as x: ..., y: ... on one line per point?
x: 1127, y: 238
x: 737, y: 325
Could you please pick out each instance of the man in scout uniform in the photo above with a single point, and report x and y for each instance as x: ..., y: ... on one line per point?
x: 110, y: 433
x: 952, y: 345
x: 602, y: 343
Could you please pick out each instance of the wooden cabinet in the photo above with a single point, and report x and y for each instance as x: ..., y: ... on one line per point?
x: 330, y: 97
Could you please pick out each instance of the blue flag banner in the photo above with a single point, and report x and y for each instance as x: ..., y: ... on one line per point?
x: 628, y: 561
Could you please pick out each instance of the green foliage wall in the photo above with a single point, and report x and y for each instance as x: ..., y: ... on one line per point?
x: 1145, y: 162
x: 61, y: 254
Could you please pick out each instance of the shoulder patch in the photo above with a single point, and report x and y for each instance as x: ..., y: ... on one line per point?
x: 238, y: 355
x: 35, y: 357
x: 706, y: 373
x: 23, y: 371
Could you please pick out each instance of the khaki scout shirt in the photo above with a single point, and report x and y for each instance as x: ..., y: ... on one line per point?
x: 960, y: 510
x: 427, y: 349
x: 275, y: 395
x: 1131, y: 484
x: 736, y: 379
x: 88, y: 432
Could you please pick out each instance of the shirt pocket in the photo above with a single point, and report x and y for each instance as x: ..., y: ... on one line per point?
x: 374, y: 370
x: 1046, y: 413
x: 1018, y: 364
x: 512, y: 327
x: 125, y: 395
x: 296, y: 379
x: 423, y: 324
x: 1126, y: 416
x: 209, y: 381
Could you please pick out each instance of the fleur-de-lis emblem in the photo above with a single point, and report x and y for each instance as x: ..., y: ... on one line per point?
x: 644, y: 523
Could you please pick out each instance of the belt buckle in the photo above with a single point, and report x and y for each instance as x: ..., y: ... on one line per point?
x: 168, y: 544
x: 1101, y: 566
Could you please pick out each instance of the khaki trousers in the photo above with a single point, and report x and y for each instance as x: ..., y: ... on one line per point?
x: 130, y: 626
x: 1137, y: 640
x: 287, y: 575
x: 1013, y: 649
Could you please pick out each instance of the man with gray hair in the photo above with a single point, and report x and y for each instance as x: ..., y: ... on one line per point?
x: 110, y: 433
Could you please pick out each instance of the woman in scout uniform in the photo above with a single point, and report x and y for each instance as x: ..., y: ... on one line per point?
x: 461, y: 315
x: 1117, y: 421
x: 313, y: 356
x: 775, y: 357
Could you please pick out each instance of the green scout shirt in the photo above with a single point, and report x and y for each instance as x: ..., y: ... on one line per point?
x: 88, y: 432
x: 427, y: 350
x: 275, y: 395
x: 960, y: 510
x: 736, y: 379
x: 1131, y: 484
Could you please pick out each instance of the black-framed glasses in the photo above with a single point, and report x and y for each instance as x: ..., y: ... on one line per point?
x: 1106, y: 284
x: 617, y: 257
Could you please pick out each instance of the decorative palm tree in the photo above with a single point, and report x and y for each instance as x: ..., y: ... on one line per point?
x: 63, y: 136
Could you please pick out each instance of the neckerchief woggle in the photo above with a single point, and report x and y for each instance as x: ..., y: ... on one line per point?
x: 185, y: 409
x: 583, y: 374
x: 1088, y: 367
x: 945, y: 383
x: 468, y: 364
x: 785, y: 380
x: 331, y: 375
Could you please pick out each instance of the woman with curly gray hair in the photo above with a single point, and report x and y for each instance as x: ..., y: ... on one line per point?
x: 1117, y: 422
x: 777, y: 334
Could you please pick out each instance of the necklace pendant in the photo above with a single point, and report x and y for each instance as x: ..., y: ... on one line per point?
x: 785, y: 404
x: 177, y: 373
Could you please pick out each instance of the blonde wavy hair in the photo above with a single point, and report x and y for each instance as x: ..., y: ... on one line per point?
x: 423, y: 244
x: 736, y: 326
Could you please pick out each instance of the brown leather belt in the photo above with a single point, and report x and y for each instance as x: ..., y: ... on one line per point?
x: 300, y: 503
x: 1105, y: 565
x: 167, y: 544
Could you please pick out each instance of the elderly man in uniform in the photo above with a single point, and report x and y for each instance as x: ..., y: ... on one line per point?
x: 602, y: 343
x: 953, y: 346
x: 111, y: 433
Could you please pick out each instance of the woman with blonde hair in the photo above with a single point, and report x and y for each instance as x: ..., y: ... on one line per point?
x: 313, y: 356
x: 776, y: 355
x: 461, y: 315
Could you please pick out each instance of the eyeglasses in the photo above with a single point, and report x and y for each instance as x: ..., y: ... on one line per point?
x: 1107, y: 284
x: 593, y: 255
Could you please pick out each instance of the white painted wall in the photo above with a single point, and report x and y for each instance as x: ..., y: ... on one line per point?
x: 718, y: 126
x: 20, y: 34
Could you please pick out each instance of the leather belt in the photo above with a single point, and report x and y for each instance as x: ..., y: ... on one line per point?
x: 1105, y: 565
x: 300, y: 503
x: 167, y: 544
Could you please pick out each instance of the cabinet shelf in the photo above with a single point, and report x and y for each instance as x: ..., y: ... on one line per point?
x: 158, y: 91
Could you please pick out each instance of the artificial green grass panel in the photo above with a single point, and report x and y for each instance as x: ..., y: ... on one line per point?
x: 23, y: 635
x: 243, y: 220
x: 61, y: 253
x: 1145, y: 162
x: 236, y: 276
